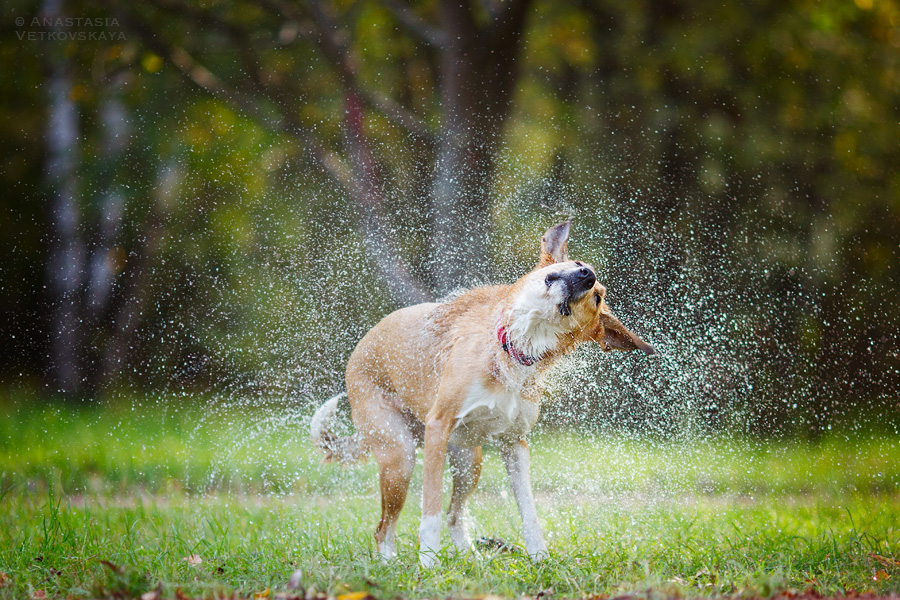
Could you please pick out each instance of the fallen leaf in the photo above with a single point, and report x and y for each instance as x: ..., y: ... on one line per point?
x: 263, y: 594
x: 4, y: 579
x: 193, y: 560
x: 888, y: 562
x: 39, y: 594
x: 353, y: 596
x: 111, y: 566
x: 149, y: 596
x: 679, y: 580
x: 880, y: 575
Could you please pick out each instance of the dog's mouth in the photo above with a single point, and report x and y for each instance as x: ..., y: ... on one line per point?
x: 577, y: 282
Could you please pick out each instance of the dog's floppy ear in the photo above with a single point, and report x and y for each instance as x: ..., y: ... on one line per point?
x: 616, y: 336
x: 554, y: 244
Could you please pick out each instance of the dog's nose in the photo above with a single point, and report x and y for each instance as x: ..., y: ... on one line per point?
x: 586, y: 275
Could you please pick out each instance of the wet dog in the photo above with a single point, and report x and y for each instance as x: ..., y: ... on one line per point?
x: 456, y: 375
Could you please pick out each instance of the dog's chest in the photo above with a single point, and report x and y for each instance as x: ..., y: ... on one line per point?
x: 488, y: 415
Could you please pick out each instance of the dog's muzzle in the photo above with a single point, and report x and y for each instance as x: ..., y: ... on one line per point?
x: 577, y: 281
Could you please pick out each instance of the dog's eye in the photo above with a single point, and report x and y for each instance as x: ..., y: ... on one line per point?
x: 597, y: 299
x: 579, y: 264
x: 550, y: 279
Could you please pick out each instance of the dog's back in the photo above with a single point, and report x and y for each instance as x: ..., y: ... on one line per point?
x: 404, y: 355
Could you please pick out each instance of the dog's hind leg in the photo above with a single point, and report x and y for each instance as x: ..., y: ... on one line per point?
x: 392, y: 442
x: 395, y: 467
x: 465, y: 466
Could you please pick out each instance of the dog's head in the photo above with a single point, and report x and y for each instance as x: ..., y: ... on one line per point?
x: 566, y: 295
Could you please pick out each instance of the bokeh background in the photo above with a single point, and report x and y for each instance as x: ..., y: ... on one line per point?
x: 219, y: 198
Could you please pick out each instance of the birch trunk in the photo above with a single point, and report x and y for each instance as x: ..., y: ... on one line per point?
x: 67, y: 256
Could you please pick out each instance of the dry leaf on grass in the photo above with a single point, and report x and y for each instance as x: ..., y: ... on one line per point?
x: 153, y: 594
x: 354, y: 596
x: 193, y: 560
x: 888, y: 562
x: 111, y: 566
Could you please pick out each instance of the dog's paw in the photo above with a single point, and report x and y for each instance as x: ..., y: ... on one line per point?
x: 427, y: 559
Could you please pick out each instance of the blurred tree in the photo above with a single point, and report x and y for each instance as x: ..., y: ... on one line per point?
x: 234, y: 165
x: 464, y: 71
x: 735, y: 132
x: 67, y: 259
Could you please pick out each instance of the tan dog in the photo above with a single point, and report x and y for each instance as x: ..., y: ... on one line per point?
x: 456, y: 375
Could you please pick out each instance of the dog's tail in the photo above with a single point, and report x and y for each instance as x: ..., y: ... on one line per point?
x: 343, y: 449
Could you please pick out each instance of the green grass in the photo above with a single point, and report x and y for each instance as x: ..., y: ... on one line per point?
x: 116, y: 501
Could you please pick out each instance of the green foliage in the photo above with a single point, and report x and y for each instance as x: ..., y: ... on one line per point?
x: 745, y: 146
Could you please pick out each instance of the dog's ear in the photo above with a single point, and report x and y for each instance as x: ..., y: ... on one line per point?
x: 554, y: 244
x: 615, y: 336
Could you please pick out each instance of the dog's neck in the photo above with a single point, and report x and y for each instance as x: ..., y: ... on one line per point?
x: 528, y: 338
x: 526, y: 360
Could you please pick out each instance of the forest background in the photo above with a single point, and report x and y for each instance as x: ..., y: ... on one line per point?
x: 221, y: 197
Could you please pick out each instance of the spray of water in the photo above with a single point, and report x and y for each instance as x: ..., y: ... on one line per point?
x: 285, y: 319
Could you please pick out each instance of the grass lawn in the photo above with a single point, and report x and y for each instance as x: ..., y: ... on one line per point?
x: 181, y: 497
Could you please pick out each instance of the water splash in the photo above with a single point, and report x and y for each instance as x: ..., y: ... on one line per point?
x: 274, y: 341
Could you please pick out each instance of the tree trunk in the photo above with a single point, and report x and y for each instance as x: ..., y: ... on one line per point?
x: 478, y: 77
x: 66, y: 261
x: 103, y: 263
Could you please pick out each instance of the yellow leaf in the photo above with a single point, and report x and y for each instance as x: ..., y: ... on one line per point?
x: 353, y: 596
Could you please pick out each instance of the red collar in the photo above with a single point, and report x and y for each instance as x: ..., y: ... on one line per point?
x: 508, y: 347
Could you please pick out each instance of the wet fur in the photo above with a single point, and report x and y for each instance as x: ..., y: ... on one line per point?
x: 436, y: 375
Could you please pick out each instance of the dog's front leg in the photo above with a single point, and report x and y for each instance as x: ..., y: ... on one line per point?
x: 437, y: 437
x: 518, y: 467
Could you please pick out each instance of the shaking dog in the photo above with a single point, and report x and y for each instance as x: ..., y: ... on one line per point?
x: 454, y: 376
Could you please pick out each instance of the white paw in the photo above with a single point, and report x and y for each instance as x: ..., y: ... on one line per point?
x: 427, y: 558
x: 459, y: 535
x: 429, y: 540
x: 386, y: 551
